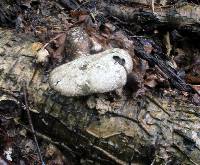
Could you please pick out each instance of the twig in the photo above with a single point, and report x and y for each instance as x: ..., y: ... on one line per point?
x: 5, y: 117
x: 33, y: 76
x: 49, y: 140
x: 131, y: 119
x: 8, y: 92
x: 26, y: 107
x: 157, y: 103
x: 56, y: 37
x: 152, y: 5
x: 184, y: 135
x: 118, y: 161
x: 184, y: 154
x: 153, y: 162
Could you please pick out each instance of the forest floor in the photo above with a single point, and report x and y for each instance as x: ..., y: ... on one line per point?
x: 172, y: 71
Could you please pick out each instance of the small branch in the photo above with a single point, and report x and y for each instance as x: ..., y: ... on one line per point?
x: 183, y: 153
x: 56, y: 37
x: 157, y: 103
x: 152, y: 6
x: 184, y: 135
x: 131, y: 119
x: 118, y: 161
x: 10, y: 93
x: 48, y: 139
x: 26, y: 107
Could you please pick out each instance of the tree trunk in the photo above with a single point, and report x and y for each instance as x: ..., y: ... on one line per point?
x: 143, y: 130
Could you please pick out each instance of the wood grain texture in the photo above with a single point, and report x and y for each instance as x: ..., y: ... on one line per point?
x: 137, y: 130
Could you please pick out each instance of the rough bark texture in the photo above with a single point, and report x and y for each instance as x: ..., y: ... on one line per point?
x: 182, y: 16
x: 143, y: 130
x: 8, y: 11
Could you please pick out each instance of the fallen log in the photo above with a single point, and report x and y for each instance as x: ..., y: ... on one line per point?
x: 182, y: 16
x: 143, y: 130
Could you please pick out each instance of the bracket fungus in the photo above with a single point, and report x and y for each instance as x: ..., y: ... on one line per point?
x: 90, y: 74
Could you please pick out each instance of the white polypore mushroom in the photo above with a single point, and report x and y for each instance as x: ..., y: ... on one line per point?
x: 97, y: 73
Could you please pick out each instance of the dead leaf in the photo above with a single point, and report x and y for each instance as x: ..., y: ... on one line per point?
x: 70, y: 4
x: 96, y: 46
x: 167, y: 43
x: 196, y: 99
x: 77, y: 13
x: 192, y: 79
x: 148, y: 47
x: 196, y: 87
x: 36, y: 46
x: 58, y: 55
x: 151, y: 81
x: 121, y: 41
x: 55, y: 156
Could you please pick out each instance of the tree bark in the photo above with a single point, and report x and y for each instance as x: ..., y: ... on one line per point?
x: 142, y: 130
x: 182, y: 16
x: 8, y: 12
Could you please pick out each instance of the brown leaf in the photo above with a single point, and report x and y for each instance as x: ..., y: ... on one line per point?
x: 77, y: 13
x: 121, y: 41
x: 96, y: 46
x: 196, y: 87
x: 151, y: 81
x: 36, y: 46
x: 192, y: 79
x: 55, y: 156
x: 148, y: 48
x: 58, y: 55
x: 196, y: 99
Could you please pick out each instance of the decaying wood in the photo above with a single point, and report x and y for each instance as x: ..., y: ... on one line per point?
x: 26, y: 107
x: 8, y: 12
x: 183, y: 16
x: 142, y: 130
